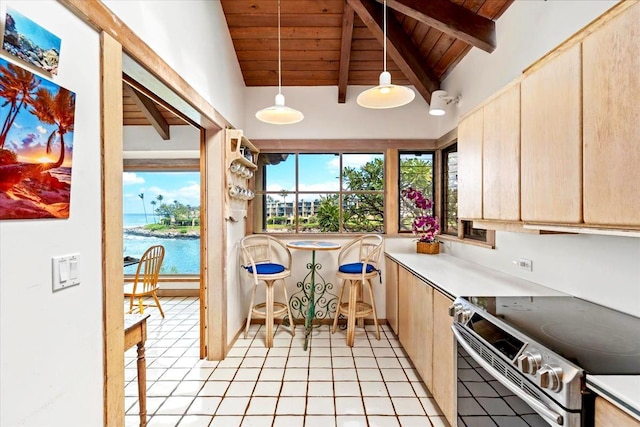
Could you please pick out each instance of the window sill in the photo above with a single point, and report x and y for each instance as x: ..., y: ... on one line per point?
x: 449, y: 238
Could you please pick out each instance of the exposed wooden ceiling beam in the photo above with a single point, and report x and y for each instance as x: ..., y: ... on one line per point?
x: 150, y: 111
x: 345, y: 52
x: 399, y: 46
x: 452, y: 19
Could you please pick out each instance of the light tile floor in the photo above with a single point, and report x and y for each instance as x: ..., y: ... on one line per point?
x: 371, y: 384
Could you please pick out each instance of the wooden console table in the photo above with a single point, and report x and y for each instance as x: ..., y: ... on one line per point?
x: 135, y: 333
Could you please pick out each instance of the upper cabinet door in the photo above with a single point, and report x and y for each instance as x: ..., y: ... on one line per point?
x: 552, y: 141
x: 501, y: 157
x: 470, y: 166
x: 611, y: 66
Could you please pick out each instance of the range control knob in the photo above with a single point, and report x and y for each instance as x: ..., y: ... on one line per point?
x: 529, y: 362
x: 454, y: 309
x: 550, y: 377
x: 463, y: 316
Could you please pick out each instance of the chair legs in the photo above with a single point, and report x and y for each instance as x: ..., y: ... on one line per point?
x: 155, y: 298
x: 141, y: 304
x: 269, y: 313
x: 356, y: 309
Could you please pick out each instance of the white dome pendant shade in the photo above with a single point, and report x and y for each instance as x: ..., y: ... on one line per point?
x: 385, y: 95
x: 279, y: 114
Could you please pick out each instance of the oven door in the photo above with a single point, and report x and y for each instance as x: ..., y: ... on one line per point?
x: 492, y: 393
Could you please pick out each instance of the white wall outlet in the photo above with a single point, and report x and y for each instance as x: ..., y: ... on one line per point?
x: 64, y: 271
x: 525, y: 264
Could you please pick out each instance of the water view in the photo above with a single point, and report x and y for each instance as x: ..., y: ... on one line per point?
x: 182, y: 255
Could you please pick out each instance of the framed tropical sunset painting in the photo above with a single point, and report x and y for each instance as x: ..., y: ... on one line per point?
x: 36, y: 145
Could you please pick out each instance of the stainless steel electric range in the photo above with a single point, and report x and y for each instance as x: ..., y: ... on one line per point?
x: 522, y: 361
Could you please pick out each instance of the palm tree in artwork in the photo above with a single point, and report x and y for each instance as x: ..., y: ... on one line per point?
x: 17, y: 87
x: 58, y: 110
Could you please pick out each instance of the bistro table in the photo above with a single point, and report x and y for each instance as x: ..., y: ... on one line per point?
x: 312, y: 292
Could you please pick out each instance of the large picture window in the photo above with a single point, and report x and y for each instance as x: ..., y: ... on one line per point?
x: 416, y: 171
x: 322, y: 192
x: 163, y: 208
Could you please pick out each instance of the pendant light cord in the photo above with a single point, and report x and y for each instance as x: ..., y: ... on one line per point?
x: 384, y: 42
x: 279, y: 58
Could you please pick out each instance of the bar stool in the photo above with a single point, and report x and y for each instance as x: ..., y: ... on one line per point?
x: 355, y: 276
x: 260, y: 254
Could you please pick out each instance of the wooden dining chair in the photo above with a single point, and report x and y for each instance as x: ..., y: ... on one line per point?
x: 354, y: 276
x: 267, y: 260
x: 145, y: 283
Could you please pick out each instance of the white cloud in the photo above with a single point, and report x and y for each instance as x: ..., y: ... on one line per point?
x: 129, y: 178
x: 188, y: 195
x: 350, y: 160
x: 41, y: 129
x: 17, y: 125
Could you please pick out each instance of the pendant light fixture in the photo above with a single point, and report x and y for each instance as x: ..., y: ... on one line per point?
x: 279, y: 114
x: 385, y: 95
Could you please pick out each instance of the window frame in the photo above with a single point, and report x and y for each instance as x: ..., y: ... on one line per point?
x: 261, y: 194
x: 167, y: 166
x: 398, y: 184
x: 453, y: 148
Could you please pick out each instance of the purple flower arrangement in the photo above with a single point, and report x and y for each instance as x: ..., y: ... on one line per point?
x: 424, y: 225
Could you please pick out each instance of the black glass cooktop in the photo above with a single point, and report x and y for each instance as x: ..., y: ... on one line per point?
x: 598, y: 339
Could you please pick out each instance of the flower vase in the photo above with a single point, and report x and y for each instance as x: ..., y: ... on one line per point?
x: 428, y: 248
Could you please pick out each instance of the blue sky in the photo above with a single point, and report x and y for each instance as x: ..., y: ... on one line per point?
x: 317, y: 172
x: 34, y: 32
x: 181, y: 186
x: 28, y: 135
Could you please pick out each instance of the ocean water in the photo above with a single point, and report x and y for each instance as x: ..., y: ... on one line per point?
x: 182, y: 256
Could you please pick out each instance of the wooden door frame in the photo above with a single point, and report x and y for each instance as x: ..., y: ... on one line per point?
x: 117, y: 38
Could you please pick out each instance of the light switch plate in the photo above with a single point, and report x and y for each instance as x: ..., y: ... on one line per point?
x: 64, y: 271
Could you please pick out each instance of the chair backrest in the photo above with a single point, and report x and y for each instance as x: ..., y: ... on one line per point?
x: 149, y: 269
x: 261, y: 249
x: 369, y: 249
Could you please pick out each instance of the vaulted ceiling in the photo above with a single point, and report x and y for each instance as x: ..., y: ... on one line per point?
x: 339, y: 42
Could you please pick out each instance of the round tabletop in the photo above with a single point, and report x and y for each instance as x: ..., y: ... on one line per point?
x: 313, y: 245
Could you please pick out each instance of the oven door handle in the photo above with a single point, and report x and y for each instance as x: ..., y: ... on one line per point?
x: 540, y: 407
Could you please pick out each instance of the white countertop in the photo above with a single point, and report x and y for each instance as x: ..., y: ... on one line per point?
x: 458, y: 277
x: 621, y: 390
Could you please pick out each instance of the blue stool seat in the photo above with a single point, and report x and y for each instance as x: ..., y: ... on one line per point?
x: 355, y: 268
x: 266, y: 268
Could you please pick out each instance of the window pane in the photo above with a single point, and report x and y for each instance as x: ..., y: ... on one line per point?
x: 279, y: 171
x: 416, y: 170
x: 163, y: 208
x: 363, y: 213
x: 319, y: 172
x: 450, y: 199
x: 363, y: 172
x: 327, y: 218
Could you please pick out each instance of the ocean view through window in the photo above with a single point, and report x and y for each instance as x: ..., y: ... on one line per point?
x: 163, y: 208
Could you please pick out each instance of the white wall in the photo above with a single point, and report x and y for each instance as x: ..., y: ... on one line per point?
x: 193, y: 38
x: 325, y: 118
x: 51, y: 344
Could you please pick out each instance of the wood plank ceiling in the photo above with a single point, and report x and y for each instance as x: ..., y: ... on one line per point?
x: 140, y: 109
x: 339, y: 42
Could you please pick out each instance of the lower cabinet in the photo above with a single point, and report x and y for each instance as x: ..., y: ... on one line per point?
x: 391, y: 292
x: 444, y: 357
x: 608, y: 415
x: 424, y: 330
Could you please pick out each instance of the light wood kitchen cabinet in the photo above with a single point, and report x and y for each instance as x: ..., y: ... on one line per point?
x: 501, y: 156
x: 470, y: 166
x: 444, y: 356
x: 608, y: 415
x: 422, y: 310
x: 391, y: 291
x: 551, y: 140
x: 405, y: 316
x: 611, y: 62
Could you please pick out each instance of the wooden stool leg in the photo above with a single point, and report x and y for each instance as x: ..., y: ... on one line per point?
x: 335, y: 316
x: 360, y: 320
x: 351, y: 317
x: 292, y: 324
x: 269, y: 314
x: 373, y: 307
